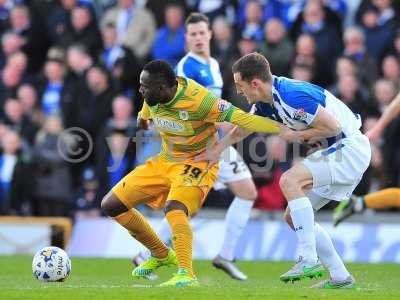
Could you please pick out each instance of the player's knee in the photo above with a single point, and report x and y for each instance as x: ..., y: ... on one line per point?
x: 175, y: 205
x: 286, y: 181
x: 111, y: 206
x: 251, y: 194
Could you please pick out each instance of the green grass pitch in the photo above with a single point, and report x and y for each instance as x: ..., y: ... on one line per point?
x: 110, y: 279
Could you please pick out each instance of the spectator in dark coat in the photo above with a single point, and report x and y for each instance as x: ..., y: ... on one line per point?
x: 35, y: 42
x: 120, y: 62
x: 14, y: 118
x: 53, y: 191
x: 276, y: 47
x: 83, y: 30
x: 327, y: 36
x: 15, y: 190
x: 356, y: 50
x: 123, y: 123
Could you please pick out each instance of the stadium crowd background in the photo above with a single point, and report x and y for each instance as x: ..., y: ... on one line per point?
x: 72, y: 63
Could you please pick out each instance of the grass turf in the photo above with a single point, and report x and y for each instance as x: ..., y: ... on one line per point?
x: 110, y: 279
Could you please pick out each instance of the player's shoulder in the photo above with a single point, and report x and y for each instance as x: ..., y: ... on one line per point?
x: 294, y: 92
x: 192, y: 93
x: 187, y: 66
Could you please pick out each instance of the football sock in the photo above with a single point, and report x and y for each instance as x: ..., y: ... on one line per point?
x: 182, y: 238
x: 302, y: 215
x: 386, y: 198
x: 164, y: 233
x: 328, y: 255
x: 141, y: 230
x: 235, y: 221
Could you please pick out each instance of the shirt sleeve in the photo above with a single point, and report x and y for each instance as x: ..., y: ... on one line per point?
x: 252, y: 123
x: 145, y: 112
x: 215, y: 109
x: 301, y: 107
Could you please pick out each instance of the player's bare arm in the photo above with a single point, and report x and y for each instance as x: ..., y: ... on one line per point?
x: 391, y: 112
x: 323, y: 126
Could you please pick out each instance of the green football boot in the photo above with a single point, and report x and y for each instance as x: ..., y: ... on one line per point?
x: 181, y: 279
x: 301, y: 270
x: 153, y: 263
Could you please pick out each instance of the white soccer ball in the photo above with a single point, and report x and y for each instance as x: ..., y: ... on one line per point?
x: 51, y: 264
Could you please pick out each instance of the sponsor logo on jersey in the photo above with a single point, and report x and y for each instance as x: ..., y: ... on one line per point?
x: 183, y: 115
x: 223, y: 105
x: 203, y: 73
x: 300, y: 114
x: 169, y: 125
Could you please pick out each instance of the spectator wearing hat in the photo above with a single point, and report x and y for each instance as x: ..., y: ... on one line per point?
x: 87, y: 198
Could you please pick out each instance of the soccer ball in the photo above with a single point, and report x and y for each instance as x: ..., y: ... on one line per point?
x: 51, y: 264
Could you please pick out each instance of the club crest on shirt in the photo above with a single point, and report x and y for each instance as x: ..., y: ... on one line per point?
x: 183, y: 115
x: 223, y: 105
x: 300, y: 114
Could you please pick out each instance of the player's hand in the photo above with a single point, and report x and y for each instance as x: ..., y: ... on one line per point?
x: 374, y: 134
x: 211, y: 155
x: 288, y: 134
x: 143, y: 124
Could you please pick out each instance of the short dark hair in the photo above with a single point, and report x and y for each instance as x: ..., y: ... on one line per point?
x: 161, y: 70
x: 196, y: 18
x: 253, y: 65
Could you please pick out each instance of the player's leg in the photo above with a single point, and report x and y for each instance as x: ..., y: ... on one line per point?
x: 119, y: 203
x: 134, y: 221
x: 236, y: 220
x: 339, y: 275
x: 386, y: 198
x: 235, y: 175
x: 164, y: 233
x: 293, y: 183
x: 177, y: 212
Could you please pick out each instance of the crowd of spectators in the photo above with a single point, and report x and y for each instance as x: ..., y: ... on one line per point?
x: 76, y: 63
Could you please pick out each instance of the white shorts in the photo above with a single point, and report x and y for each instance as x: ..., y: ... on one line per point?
x: 338, y: 169
x: 231, y: 168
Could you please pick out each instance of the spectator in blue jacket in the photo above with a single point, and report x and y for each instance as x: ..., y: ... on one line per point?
x: 169, y: 43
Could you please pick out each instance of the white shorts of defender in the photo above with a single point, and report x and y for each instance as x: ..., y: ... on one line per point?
x: 337, y: 170
x: 231, y: 168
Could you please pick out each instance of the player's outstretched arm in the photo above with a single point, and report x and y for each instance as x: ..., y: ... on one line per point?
x: 213, y: 152
x: 323, y: 126
x: 254, y: 123
x: 246, y: 123
x: 391, y: 112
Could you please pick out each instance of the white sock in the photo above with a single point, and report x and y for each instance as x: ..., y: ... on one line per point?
x: 328, y: 255
x: 235, y: 221
x: 302, y: 215
x: 164, y: 232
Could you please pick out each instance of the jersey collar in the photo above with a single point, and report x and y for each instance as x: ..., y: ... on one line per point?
x: 180, y: 91
x: 199, y: 58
